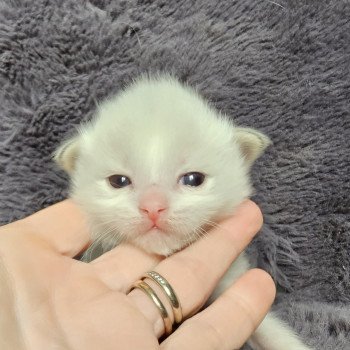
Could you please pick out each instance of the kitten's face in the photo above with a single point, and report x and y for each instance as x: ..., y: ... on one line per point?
x: 157, y: 168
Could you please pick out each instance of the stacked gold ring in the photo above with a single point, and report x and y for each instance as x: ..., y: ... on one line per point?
x: 154, y: 297
x: 169, y: 292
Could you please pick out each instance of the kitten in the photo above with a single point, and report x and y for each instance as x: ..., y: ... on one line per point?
x: 157, y: 167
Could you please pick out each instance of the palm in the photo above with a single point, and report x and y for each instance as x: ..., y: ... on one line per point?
x: 56, y: 294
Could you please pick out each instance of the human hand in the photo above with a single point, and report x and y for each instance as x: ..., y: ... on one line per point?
x: 50, y: 301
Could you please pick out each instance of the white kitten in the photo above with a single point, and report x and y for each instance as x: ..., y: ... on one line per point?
x: 157, y: 167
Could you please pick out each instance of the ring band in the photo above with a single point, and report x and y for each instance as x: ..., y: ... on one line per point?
x: 170, y: 293
x: 151, y: 294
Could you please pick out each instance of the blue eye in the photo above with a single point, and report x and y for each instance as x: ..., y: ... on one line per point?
x: 193, y: 179
x: 119, y: 181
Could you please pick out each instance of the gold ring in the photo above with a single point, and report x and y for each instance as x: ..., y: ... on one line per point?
x: 154, y: 297
x: 170, y: 293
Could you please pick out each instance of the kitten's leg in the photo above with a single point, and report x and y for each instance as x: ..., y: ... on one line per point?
x: 237, y: 269
x: 274, y: 334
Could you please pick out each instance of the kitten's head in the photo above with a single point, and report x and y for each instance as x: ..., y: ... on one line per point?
x: 158, y: 166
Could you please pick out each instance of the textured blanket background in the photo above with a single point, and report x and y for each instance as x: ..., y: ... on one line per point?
x: 280, y: 66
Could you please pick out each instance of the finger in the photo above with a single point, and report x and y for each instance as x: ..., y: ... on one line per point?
x: 62, y: 225
x: 230, y: 320
x: 194, y: 272
x: 123, y: 265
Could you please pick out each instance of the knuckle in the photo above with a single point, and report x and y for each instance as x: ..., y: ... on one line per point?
x: 194, y: 269
x: 248, y: 314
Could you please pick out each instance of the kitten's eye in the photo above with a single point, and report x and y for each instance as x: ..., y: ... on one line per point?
x: 192, y: 179
x: 119, y: 181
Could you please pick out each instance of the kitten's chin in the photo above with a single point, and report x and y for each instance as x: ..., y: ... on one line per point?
x: 158, y: 242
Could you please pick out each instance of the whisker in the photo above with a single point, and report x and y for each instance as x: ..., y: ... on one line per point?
x: 275, y: 3
x: 87, y: 256
x: 214, y: 225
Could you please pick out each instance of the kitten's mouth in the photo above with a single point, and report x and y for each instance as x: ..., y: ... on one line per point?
x: 154, y: 230
x: 154, y: 227
x: 157, y: 240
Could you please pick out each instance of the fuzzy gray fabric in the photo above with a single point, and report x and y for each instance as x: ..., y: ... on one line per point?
x: 281, y: 66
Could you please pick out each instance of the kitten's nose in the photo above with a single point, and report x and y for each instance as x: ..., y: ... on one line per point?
x: 153, y: 204
x: 153, y: 213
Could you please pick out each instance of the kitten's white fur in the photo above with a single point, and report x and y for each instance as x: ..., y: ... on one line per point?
x: 154, y: 132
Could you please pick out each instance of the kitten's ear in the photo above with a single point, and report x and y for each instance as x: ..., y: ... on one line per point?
x: 67, y: 154
x: 252, y: 143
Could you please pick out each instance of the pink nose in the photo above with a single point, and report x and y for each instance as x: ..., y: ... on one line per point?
x: 153, y: 214
x: 153, y: 203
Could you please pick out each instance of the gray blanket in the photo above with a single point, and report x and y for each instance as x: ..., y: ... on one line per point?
x: 282, y: 66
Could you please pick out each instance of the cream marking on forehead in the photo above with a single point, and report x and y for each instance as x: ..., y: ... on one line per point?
x: 155, y: 155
